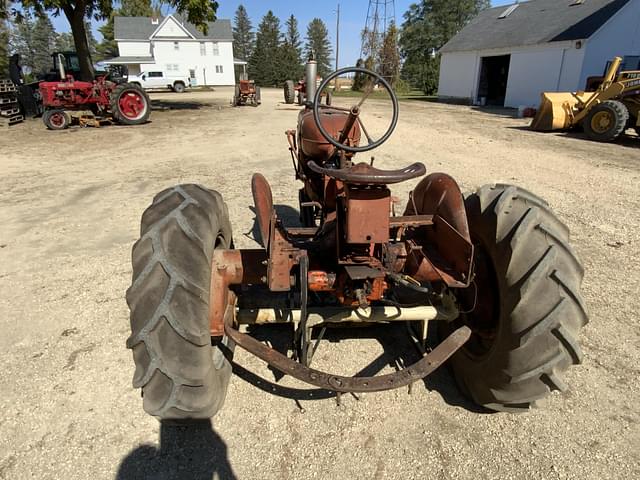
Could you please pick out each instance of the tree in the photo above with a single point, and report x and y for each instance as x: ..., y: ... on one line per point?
x: 318, y: 44
x: 199, y: 12
x: 390, y: 56
x: 428, y: 25
x: 64, y: 42
x: 291, y: 52
x: 243, y: 36
x: 264, y: 60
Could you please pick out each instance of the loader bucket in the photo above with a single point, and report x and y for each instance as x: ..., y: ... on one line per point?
x: 555, y: 112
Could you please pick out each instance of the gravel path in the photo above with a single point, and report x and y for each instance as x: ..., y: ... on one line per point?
x: 70, y: 206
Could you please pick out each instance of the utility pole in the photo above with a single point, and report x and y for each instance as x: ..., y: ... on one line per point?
x: 337, y: 43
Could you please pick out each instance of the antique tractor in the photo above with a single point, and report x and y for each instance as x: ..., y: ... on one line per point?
x: 246, y: 93
x: 125, y: 103
x: 493, y: 270
x: 298, y: 90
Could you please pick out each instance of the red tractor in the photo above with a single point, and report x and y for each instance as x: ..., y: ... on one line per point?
x: 492, y: 271
x: 300, y: 89
x: 246, y: 92
x: 126, y: 103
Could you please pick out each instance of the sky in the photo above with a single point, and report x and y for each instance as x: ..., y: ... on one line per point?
x: 353, y: 15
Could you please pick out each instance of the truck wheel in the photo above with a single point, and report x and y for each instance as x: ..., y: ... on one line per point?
x: 56, y: 119
x: 525, y: 308
x: 289, y: 92
x: 606, y: 121
x: 130, y: 104
x: 183, y: 372
x: 178, y: 87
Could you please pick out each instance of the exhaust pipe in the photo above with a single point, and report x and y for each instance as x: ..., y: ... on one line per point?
x: 311, y: 76
x: 63, y: 74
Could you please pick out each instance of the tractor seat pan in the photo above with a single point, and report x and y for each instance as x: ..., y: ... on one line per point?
x: 365, y: 174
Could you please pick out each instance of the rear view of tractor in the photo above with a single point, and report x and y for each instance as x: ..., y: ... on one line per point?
x: 493, y: 272
x: 604, y: 114
x: 125, y: 103
x: 246, y: 93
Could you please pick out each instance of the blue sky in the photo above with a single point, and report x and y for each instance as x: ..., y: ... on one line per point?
x: 353, y: 15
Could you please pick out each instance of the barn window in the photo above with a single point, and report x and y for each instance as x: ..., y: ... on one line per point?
x: 509, y: 11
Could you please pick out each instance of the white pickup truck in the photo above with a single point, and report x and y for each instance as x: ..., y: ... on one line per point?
x: 158, y: 79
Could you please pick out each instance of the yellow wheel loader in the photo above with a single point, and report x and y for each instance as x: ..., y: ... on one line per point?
x: 604, y: 114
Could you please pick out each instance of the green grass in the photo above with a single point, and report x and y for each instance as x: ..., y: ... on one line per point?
x: 382, y: 95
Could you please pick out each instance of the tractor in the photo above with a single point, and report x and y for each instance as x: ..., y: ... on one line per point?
x: 492, y: 271
x: 246, y: 92
x: 605, y: 113
x: 292, y: 89
x: 125, y: 103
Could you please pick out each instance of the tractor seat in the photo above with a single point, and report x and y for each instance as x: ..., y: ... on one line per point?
x: 365, y: 174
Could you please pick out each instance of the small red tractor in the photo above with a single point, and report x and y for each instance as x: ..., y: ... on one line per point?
x: 300, y: 89
x: 493, y: 270
x: 123, y: 102
x: 246, y: 93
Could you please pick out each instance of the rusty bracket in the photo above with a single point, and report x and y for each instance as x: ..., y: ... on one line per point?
x: 337, y: 383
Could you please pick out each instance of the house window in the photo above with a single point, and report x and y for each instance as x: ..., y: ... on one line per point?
x: 203, y: 49
x: 176, y: 46
x: 216, y: 49
x: 219, y: 69
x: 172, y: 67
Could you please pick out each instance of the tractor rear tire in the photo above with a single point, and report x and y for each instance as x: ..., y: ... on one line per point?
x: 182, y: 371
x: 525, y: 303
x: 237, y: 99
x: 329, y: 98
x: 56, y: 119
x: 130, y: 104
x: 617, y: 114
x: 289, y: 92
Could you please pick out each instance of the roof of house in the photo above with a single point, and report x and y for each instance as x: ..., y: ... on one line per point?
x: 534, y: 22
x: 141, y: 28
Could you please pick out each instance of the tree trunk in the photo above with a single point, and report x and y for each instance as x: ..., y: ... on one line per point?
x: 78, y: 29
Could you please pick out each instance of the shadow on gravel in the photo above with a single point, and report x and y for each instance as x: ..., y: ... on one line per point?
x: 628, y: 140
x: 398, y: 352
x: 289, y: 216
x: 160, y: 105
x: 193, y: 451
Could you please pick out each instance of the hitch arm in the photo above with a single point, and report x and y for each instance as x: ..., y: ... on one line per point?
x: 337, y: 383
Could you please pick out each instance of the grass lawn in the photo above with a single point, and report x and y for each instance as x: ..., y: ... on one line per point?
x: 382, y: 94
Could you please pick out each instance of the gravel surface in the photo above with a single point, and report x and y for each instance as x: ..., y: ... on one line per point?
x: 70, y: 206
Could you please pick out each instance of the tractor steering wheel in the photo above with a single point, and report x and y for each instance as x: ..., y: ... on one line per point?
x: 354, y: 111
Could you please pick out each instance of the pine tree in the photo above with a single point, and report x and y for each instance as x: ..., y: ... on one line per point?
x: 4, y: 49
x: 43, y: 43
x: 64, y: 42
x: 318, y: 44
x: 390, y: 56
x: 291, y: 52
x: 265, y: 58
x: 428, y: 25
x: 243, y: 36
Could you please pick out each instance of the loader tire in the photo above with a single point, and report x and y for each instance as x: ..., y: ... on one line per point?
x: 130, y: 104
x: 289, y: 92
x: 183, y: 372
x: 606, y: 121
x: 527, y: 312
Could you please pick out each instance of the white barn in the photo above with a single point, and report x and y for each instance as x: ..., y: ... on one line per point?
x: 173, y: 45
x: 508, y: 55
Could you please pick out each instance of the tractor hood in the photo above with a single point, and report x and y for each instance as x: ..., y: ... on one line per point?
x: 312, y: 143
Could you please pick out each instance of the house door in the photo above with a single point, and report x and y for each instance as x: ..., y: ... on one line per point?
x: 192, y: 77
x: 494, y: 75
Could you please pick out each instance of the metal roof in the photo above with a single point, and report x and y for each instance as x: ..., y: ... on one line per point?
x: 141, y: 28
x: 534, y: 22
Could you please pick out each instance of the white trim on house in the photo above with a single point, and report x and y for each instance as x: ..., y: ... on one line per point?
x: 163, y: 23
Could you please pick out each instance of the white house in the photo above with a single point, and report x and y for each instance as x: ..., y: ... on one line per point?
x: 508, y: 55
x: 171, y: 44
